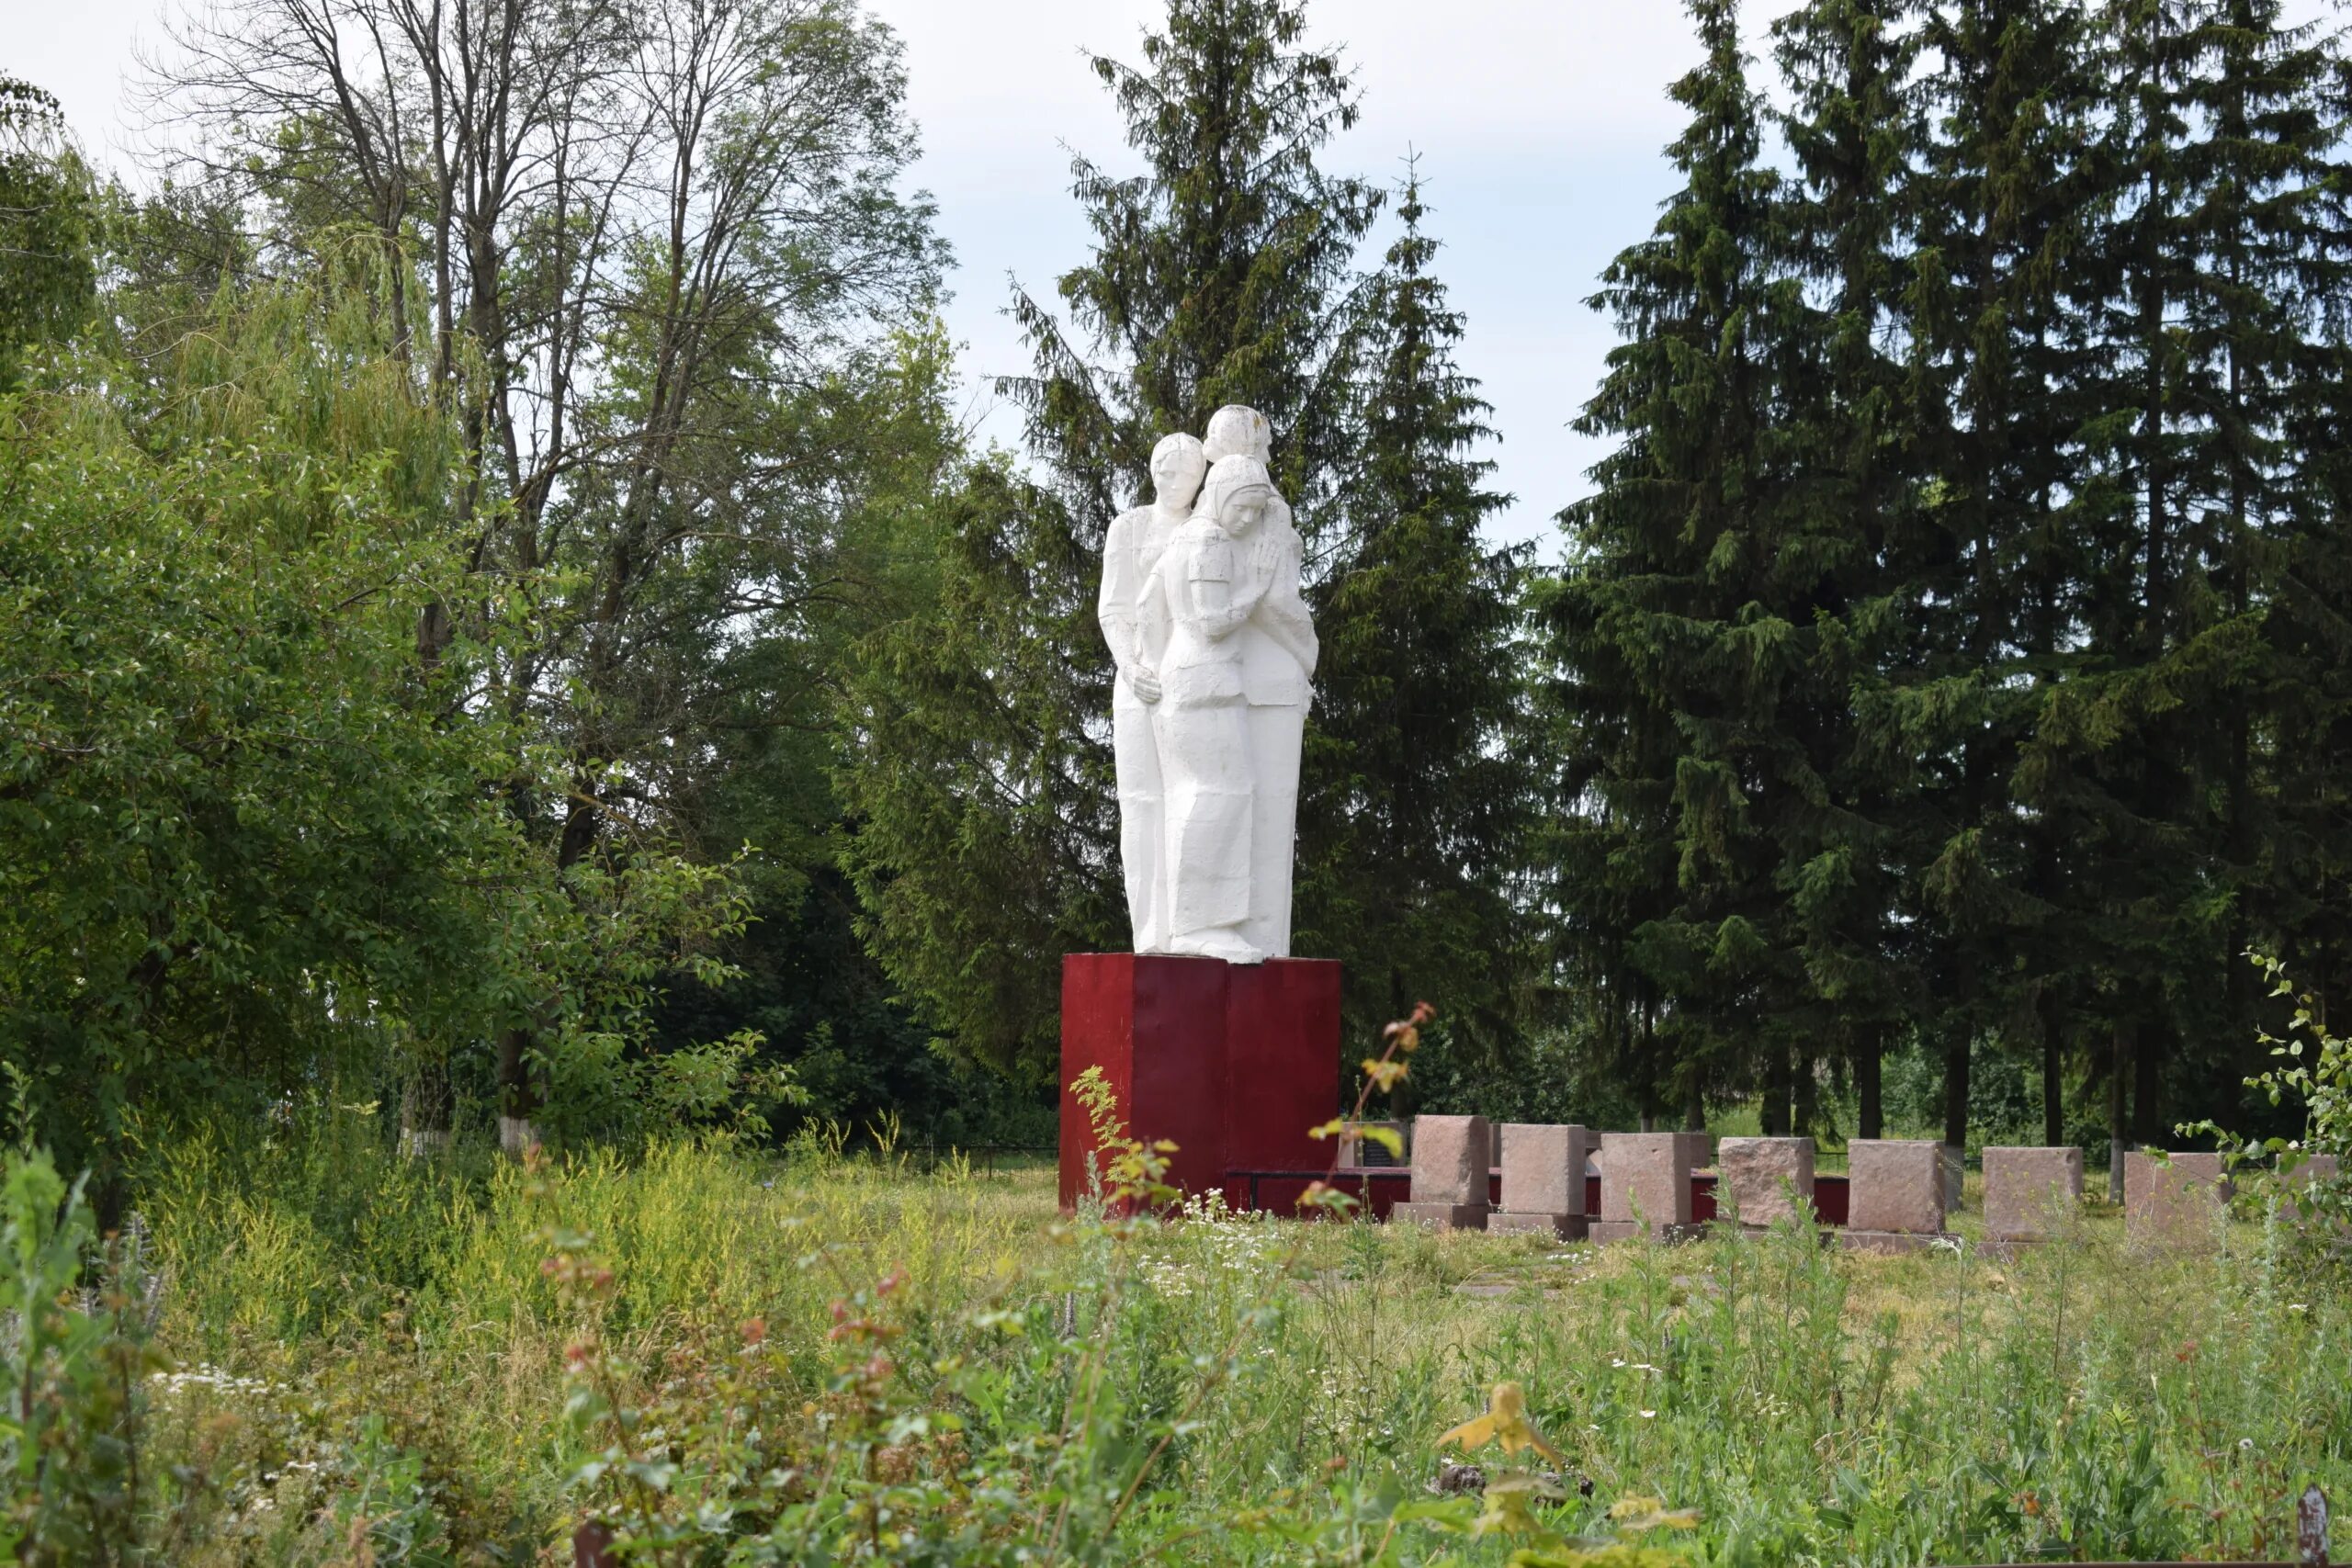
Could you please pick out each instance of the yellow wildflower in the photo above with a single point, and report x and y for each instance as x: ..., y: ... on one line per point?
x: 1505, y: 1422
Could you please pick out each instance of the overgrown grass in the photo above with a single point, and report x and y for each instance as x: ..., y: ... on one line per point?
x: 375, y: 1350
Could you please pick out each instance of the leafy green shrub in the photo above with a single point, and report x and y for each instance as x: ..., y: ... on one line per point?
x: 77, y: 1363
x: 2315, y: 1074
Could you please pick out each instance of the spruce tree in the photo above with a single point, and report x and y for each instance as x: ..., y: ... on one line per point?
x: 2280, y: 275
x: 2307, y: 714
x: 1415, y: 799
x: 1853, y: 131
x: 1670, y: 630
x: 985, y: 843
x: 1219, y: 275
x: 1989, y: 570
x: 2194, y: 293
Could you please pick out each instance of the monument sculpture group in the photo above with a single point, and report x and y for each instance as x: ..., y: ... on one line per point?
x: 1210, y: 1035
x: 1215, y: 652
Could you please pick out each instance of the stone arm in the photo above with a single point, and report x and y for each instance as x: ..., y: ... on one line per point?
x: 1118, y: 607
x: 1115, y: 606
x: 1218, y: 611
x: 1281, y: 610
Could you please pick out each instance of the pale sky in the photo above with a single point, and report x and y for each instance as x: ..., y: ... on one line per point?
x: 1539, y: 123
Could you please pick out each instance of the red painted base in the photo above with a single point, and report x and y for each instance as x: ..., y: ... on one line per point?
x: 1232, y: 1063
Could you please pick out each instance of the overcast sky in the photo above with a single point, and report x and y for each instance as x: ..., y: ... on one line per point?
x: 1539, y: 123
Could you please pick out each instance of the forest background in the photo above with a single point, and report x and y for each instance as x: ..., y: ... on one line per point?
x: 503, y: 619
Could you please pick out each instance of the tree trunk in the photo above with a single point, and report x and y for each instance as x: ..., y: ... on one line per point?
x: 518, y: 1101
x: 427, y: 1102
x: 1956, y: 1050
x: 2053, y: 1063
x: 1869, y: 1056
x: 2147, y: 1088
x: 2119, y: 1140
x: 1772, y: 1116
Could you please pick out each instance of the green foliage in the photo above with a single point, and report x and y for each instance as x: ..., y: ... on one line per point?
x: 255, y: 842
x: 2314, y: 1072
x: 49, y: 224
x: 77, y: 1378
x: 232, y: 811
x: 969, y: 771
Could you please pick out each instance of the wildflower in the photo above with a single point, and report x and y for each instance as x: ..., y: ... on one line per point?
x: 1505, y: 1422
x: 1649, y: 1415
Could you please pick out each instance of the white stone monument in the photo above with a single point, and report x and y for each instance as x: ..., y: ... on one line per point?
x: 1215, y: 652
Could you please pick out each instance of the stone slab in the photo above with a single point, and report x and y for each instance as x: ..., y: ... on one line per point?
x: 1567, y: 1227
x: 1542, y: 1166
x: 2026, y: 1188
x: 1450, y: 1156
x: 1648, y: 1171
x: 1891, y: 1241
x: 1441, y: 1216
x: 1895, y: 1184
x: 1758, y: 1175
x: 2176, y: 1204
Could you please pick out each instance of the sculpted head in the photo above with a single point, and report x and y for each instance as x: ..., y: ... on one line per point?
x: 1178, y: 464
x: 1235, y: 495
x: 1235, y: 429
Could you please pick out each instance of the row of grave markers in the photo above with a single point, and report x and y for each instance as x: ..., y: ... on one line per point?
x: 1898, y: 1190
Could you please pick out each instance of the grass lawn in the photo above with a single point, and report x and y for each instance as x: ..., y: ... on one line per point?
x: 822, y: 1358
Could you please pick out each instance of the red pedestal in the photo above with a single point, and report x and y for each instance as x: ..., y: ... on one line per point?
x: 1232, y: 1063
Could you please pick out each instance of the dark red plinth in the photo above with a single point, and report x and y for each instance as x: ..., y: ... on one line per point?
x: 1232, y: 1063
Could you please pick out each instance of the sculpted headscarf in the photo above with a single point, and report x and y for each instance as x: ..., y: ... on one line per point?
x: 1233, y: 476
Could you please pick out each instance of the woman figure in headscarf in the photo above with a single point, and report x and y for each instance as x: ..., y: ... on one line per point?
x: 1278, y: 654
x: 1133, y: 615
x: 1206, y: 765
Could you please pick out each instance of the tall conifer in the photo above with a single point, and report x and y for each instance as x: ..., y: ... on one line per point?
x: 1988, y: 571
x: 1670, y: 625
x: 2195, y: 295
x: 986, y: 835
x: 1414, y: 795
x: 1844, y: 232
